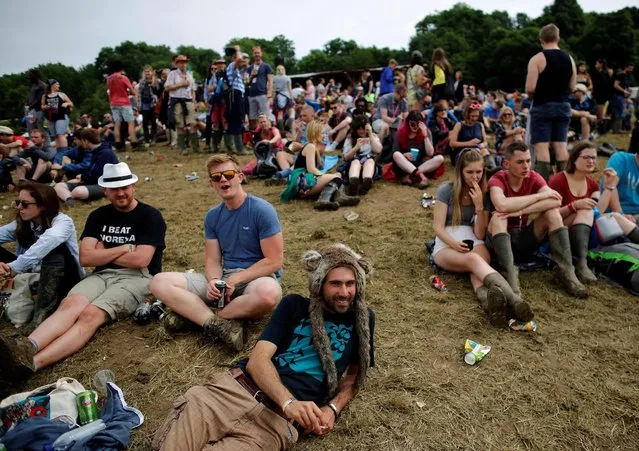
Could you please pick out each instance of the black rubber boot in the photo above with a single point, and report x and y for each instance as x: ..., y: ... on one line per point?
x: 634, y: 235
x: 239, y: 145
x: 325, y: 200
x: 504, y: 253
x: 228, y: 143
x: 561, y: 166
x: 217, y: 139
x: 353, y: 186
x: 366, y: 186
x: 51, y: 277
x: 560, y: 248
x: 579, y: 238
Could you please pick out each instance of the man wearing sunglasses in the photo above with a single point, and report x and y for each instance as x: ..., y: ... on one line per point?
x: 124, y: 241
x: 243, y: 247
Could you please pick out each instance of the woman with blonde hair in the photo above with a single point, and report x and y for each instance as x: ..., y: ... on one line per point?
x: 460, y: 221
x: 507, y: 129
x: 442, y: 71
x: 307, y: 181
x: 283, y: 103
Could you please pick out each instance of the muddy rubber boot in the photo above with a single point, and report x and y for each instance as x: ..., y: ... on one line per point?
x: 181, y: 143
x: 544, y: 168
x: 228, y: 143
x: 520, y: 309
x: 51, y: 276
x: 195, y: 142
x: 345, y: 200
x: 366, y: 186
x: 560, y: 248
x: 353, y: 186
x: 504, y: 253
x: 325, y: 200
x: 493, y: 301
x: 579, y: 237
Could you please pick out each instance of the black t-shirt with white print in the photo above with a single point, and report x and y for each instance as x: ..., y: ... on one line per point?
x: 142, y: 225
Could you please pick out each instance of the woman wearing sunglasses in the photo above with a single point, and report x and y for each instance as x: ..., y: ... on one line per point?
x: 308, y: 182
x: 471, y: 133
x: 413, y: 153
x: 46, y: 244
x: 507, y: 129
x: 460, y: 220
x: 580, y: 194
x: 359, y: 152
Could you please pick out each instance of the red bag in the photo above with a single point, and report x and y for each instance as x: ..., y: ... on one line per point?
x: 388, y: 174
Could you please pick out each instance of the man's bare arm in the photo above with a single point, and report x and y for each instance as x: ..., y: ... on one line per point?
x: 93, y: 254
x: 505, y: 204
x: 532, y: 76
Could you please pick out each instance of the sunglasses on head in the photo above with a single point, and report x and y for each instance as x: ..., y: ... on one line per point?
x: 24, y: 203
x: 228, y: 175
x: 475, y: 106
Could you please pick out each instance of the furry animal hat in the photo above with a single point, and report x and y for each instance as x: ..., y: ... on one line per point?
x: 319, y: 264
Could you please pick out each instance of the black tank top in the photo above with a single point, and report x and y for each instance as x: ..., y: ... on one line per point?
x: 56, y: 111
x: 553, y: 84
x: 300, y: 161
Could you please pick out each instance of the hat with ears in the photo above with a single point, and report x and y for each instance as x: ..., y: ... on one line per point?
x: 319, y: 264
x: 117, y: 176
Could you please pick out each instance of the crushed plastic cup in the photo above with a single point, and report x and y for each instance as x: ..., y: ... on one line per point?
x: 351, y: 216
x: 475, y: 352
x: 100, y: 379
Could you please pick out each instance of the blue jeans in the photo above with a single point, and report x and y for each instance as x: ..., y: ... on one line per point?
x: 549, y: 122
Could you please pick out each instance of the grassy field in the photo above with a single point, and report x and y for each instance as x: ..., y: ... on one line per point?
x: 574, y: 384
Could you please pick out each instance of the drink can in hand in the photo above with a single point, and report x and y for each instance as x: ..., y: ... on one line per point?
x: 221, y: 287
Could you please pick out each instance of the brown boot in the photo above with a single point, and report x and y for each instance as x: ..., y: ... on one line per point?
x: 230, y: 331
x: 174, y: 323
x: 560, y: 248
x: 344, y: 200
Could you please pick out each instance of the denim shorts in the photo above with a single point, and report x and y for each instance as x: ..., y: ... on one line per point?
x: 59, y: 127
x: 549, y: 122
x: 122, y: 113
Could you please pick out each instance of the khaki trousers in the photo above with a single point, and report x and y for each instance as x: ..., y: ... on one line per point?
x: 222, y: 415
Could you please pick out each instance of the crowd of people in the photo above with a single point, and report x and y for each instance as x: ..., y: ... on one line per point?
x: 518, y: 186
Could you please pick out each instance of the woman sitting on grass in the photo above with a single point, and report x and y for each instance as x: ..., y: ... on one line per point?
x: 460, y: 221
x: 508, y: 129
x: 46, y: 244
x: 359, y: 152
x: 579, y: 195
x: 308, y: 182
x: 470, y: 133
x: 413, y: 160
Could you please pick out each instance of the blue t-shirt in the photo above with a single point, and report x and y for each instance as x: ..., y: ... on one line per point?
x: 628, y: 172
x: 240, y: 231
x: 296, y: 359
x: 257, y: 85
x: 386, y: 81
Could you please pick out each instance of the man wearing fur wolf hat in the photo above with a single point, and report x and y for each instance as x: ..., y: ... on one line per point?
x: 309, y: 363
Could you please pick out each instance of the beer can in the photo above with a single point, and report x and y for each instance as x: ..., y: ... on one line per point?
x: 221, y: 287
x: 87, y: 409
x: 437, y: 283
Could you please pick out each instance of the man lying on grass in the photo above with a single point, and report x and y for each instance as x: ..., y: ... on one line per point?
x: 309, y: 363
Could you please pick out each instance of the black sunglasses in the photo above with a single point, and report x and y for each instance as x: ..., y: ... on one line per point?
x: 24, y: 203
x: 228, y: 175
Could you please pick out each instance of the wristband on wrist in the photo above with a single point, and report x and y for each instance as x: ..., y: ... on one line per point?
x: 131, y: 248
x: 288, y: 402
x: 572, y: 208
x: 611, y: 188
x: 333, y: 407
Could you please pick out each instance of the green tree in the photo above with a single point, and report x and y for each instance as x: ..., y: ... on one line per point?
x: 134, y: 56
x: 199, y: 59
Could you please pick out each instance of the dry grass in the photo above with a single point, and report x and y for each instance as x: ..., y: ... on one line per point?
x: 572, y: 385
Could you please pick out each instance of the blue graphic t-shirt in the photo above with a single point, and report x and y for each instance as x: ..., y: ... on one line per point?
x: 296, y: 358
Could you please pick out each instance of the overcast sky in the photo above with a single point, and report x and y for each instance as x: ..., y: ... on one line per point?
x: 72, y: 32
